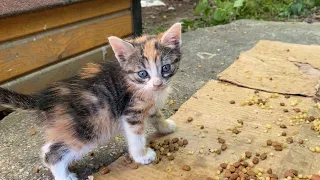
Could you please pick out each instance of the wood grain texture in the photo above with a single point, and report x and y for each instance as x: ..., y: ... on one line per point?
x: 28, y: 55
x: 25, y: 24
x: 37, y: 80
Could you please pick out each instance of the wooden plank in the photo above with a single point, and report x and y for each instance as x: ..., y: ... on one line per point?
x: 211, y: 108
x: 39, y: 79
x: 25, y: 24
x: 28, y: 55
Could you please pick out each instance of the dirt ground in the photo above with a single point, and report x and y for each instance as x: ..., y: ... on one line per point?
x: 158, y: 18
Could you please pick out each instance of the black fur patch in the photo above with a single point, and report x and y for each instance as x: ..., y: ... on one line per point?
x: 56, y: 153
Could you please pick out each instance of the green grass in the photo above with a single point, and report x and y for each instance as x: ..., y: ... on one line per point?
x: 215, y: 12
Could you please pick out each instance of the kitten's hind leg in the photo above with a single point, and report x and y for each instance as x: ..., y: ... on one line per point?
x: 161, y: 124
x: 57, y: 156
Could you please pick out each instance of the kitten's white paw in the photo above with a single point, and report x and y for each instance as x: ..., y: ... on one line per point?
x: 169, y: 127
x: 147, y: 158
x: 72, y: 176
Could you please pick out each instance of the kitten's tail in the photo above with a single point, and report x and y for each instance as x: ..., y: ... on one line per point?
x: 16, y: 100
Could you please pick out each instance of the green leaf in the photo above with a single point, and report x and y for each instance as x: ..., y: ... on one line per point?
x: 238, y: 3
x: 220, y: 14
x: 202, y: 5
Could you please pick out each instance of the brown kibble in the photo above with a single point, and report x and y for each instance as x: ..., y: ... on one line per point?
x: 278, y: 148
x: 285, y: 110
x: 185, y: 142
x: 180, y: 142
x: 283, y: 133
x: 250, y: 103
x: 241, y: 174
x: 134, y: 166
x: 190, y: 119
x: 251, y: 173
x: 294, y: 172
x: 218, y: 151
x: 257, y: 154
x: 273, y: 177
x: 288, y: 173
x: 270, y: 78
x: 223, y: 165
x: 311, y: 118
x: 33, y: 132
x: 232, y: 102
x: 227, y: 174
x: 263, y: 156
x: 315, y: 177
x: 186, y: 167
x: 282, y: 104
x: 287, y: 96
x: 171, y: 148
x: 255, y: 160
x: 248, y: 154
x: 269, y: 171
x: 283, y: 126
x: 202, y: 127
x: 275, y: 143
x: 236, y: 164
x: 232, y: 169
x: 221, y: 141
x: 166, y: 141
x: 175, y: 140
x: 104, y: 170
x: 234, y: 176
x: 171, y: 158
x: 236, y: 131
x: 224, y: 147
x: 297, y: 110
x: 300, y: 141
x: 36, y: 170
x: 290, y: 140
x: 269, y: 142
x: 244, y: 164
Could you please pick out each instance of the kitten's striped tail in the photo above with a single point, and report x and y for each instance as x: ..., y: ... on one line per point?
x: 14, y: 100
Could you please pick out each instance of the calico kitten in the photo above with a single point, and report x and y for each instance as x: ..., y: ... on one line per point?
x: 88, y: 109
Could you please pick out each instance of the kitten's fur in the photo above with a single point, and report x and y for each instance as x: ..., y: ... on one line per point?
x: 89, y: 109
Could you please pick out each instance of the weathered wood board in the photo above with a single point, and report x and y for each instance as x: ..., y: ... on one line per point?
x: 31, y: 54
x: 30, y: 23
x: 275, y: 66
x: 211, y: 107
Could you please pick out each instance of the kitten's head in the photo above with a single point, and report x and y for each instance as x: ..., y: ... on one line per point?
x: 149, y: 61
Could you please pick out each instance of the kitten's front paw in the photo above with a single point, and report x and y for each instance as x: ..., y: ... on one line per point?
x: 147, y: 158
x: 169, y: 127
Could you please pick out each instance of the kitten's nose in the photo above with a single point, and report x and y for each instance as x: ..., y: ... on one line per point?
x: 157, y: 83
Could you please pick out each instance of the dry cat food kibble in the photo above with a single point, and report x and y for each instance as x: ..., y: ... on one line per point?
x: 224, y: 147
x: 283, y: 126
x: 263, y: 156
x: 285, y: 110
x: 104, y: 170
x: 232, y: 102
x: 236, y: 131
x: 190, y: 119
x: 255, y: 160
x: 36, y: 170
x: 186, y: 167
x: 167, y: 148
x: 269, y: 142
x: 291, y: 173
x: 290, y: 140
x: 282, y: 104
x: 221, y: 141
x: 223, y: 165
x: 283, y: 133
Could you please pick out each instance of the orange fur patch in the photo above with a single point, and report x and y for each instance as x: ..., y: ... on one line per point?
x: 150, y: 52
x: 90, y: 70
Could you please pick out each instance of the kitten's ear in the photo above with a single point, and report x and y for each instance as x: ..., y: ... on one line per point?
x: 121, y: 49
x: 172, y: 37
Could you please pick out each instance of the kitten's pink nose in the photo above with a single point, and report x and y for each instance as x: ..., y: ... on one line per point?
x: 157, y: 83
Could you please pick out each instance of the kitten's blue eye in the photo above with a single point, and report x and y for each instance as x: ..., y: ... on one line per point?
x: 166, y: 68
x: 143, y: 74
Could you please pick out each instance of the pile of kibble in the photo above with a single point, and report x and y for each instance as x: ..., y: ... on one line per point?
x: 167, y: 148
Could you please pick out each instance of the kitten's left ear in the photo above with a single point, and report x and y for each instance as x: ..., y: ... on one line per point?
x: 172, y: 37
x: 121, y: 49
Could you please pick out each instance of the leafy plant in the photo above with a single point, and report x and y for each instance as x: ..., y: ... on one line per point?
x: 214, y: 12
